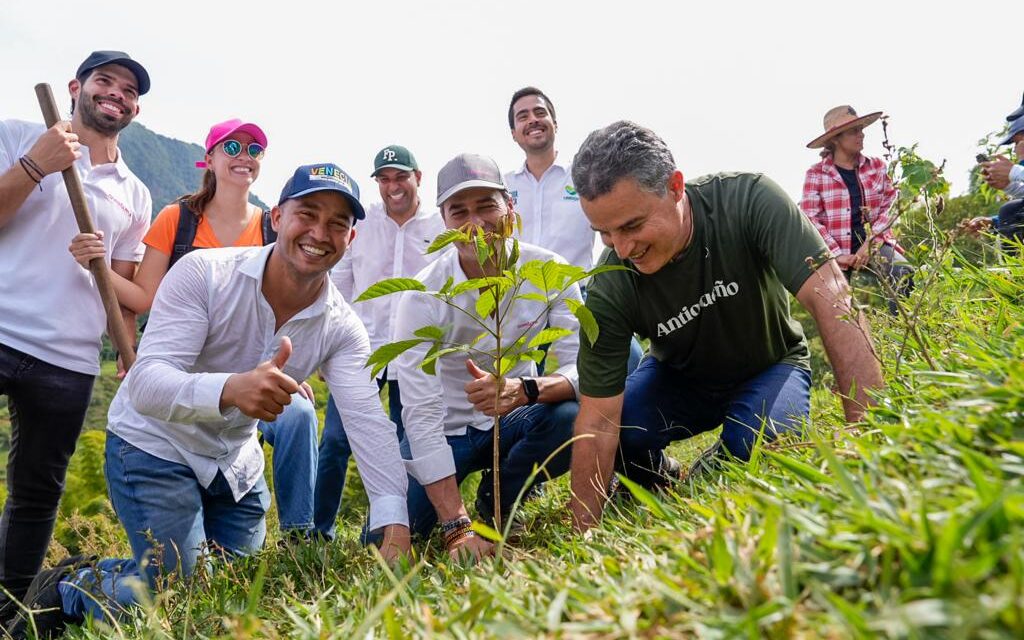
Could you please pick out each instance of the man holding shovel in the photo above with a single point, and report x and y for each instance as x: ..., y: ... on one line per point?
x: 51, y: 316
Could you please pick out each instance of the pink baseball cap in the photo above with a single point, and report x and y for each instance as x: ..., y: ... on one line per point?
x: 223, y: 130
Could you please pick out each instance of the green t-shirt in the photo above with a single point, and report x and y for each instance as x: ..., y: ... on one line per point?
x: 719, y: 313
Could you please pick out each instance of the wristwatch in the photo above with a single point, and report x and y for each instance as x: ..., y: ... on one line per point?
x: 531, y: 389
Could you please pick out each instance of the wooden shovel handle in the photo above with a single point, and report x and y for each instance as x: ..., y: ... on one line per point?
x: 119, y: 334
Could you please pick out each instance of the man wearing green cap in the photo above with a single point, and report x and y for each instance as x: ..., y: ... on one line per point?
x: 392, y: 241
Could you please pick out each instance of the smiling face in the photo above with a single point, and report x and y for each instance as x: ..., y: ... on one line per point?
x: 533, y: 126
x: 242, y: 170
x: 107, y: 100
x: 643, y: 227
x: 398, y: 190
x: 479, y: 206
x: 313, y: 233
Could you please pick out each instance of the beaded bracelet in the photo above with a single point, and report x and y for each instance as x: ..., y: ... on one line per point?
x: 449, y: 525
x: 458, y: 536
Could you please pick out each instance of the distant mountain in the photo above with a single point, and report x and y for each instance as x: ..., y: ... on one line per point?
x: 167, y: 166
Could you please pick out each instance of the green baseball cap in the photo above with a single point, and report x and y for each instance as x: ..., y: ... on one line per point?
x: 394, y: 157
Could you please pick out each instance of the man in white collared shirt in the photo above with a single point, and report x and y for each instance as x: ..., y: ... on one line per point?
x: 392, y: 244
x: 449, y: 416
x: 542, y: 190
x: 183, y: 463
x: 51, y: 316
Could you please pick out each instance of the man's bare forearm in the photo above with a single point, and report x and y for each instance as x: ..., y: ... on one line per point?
x: 444, y: 495
x: 593, y: 458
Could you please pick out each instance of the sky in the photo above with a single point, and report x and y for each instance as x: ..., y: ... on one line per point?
x: 730, y: 86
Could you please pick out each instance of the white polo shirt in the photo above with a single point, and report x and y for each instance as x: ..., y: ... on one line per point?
x: 50, y: 307
x: 210, y: 320
x: 436, y: 406
x: 551, y: 212
x: 381, y: 250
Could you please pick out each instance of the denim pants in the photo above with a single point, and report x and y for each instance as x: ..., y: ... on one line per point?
x: 47, y: 406
x: 660, y: 407
x: 162, y: 503
x: 528, y: 436
x: 294, y: 462
x: 889, y: 265
x: 333, y: 459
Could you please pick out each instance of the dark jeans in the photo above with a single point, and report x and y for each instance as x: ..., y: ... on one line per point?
x: 660, y: 407
x: 332, y: 459
x: 888, y: 264
x: 528, y: 436
x: 1010, y: 224
x: 47, y: 405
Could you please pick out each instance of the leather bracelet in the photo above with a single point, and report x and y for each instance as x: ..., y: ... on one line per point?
x: 26, y: 166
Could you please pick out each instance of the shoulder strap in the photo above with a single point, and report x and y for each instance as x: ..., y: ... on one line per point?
x: 269, y: 235
x: 185, y: 236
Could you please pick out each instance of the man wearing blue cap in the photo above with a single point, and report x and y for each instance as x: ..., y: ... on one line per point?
x: 231, y: 333
x: 52, y: 315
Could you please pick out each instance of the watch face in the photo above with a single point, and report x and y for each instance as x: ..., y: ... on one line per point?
x: 531, y: 389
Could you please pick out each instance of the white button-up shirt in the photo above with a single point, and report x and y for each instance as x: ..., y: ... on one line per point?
x: 551, y: 212
x: 50, y: 307
x: 381, y: 250
x: 210, y: 320
x: 436, y: 406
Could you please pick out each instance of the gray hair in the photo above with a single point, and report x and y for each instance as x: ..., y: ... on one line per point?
x: 623, y: 149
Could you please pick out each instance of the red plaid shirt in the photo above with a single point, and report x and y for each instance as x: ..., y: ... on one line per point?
x: 826, y: 201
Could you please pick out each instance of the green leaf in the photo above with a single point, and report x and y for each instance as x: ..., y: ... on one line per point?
x: 549, y: 335
x: 440, y: 353
x: 486, y: 303
x: 483, y: 250
x: 513, y: 258
x: 381, y: 357
x: 447, y: 286
x: 479, y: 283
x: 447, y: 237
x: 430, y: 332
x: 488, y: 533
x: 721, y: 556
x: 389, y: 286
x: 429, y: 364
x: 536, y: 297
x: 798, y: 468
x: 586, y: 318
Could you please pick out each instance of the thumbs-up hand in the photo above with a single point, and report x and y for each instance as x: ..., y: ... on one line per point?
x: 263, y: 392
x: 482, y: 392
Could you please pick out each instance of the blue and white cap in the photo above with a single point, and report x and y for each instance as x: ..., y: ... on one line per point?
x: 325, y: 176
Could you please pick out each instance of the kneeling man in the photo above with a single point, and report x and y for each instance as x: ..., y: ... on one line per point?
x: 712, y: 264
x: 449, y: 416
x: 231, y: 332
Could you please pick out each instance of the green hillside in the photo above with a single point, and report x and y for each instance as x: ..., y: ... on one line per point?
x: 167, y: 166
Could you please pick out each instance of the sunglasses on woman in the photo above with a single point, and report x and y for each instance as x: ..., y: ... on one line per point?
x: 232, y: 148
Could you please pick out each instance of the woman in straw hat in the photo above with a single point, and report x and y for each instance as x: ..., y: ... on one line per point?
x: 847, y: 196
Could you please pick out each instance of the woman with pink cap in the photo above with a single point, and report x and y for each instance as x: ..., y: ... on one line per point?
x: 847, y: 196
x: 219, y: 215
x: 220, y: 209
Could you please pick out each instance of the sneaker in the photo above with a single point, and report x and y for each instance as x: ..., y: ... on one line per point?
x: 43, y: 601
x: 707, y: 462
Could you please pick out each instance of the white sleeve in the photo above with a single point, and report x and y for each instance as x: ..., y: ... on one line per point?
x: 160, y: 385
x: 343, y: 277
x: 422, y: 394
x: 373, y: 437
x: 566, y: 349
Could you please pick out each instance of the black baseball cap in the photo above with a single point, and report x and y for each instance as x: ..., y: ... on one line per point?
x: 100, y: 58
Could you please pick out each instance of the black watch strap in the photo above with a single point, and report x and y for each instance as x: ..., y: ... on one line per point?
x: 531, y: 389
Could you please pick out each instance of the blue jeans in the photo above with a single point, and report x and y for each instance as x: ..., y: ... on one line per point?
x: 528, y: 436
x: 333, y: 459
x: 660, y: 406
x: 294, y: 462
x: 162, y: 502
x: 47, y: 405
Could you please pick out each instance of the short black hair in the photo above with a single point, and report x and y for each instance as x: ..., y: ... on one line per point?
x: 522, y: 93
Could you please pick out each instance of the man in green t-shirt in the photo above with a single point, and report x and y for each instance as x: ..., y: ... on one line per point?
x: 712, y: 263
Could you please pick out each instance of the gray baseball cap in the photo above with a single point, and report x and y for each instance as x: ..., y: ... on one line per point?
x: 465, y: 171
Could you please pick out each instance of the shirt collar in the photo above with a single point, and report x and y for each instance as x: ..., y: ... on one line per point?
x: 119, y: 167
x: 254, y: 266
x: 522, y: 168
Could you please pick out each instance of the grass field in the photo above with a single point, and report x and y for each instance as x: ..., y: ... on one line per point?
x: 908, y: 525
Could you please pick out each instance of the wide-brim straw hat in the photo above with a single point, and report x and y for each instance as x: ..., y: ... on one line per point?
x: 839, y: 119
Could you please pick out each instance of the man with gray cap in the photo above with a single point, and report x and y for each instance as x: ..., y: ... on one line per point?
x: 52, y: 315
x: 392, y: 244
x: 231, y: 334
x: 449, y: 416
